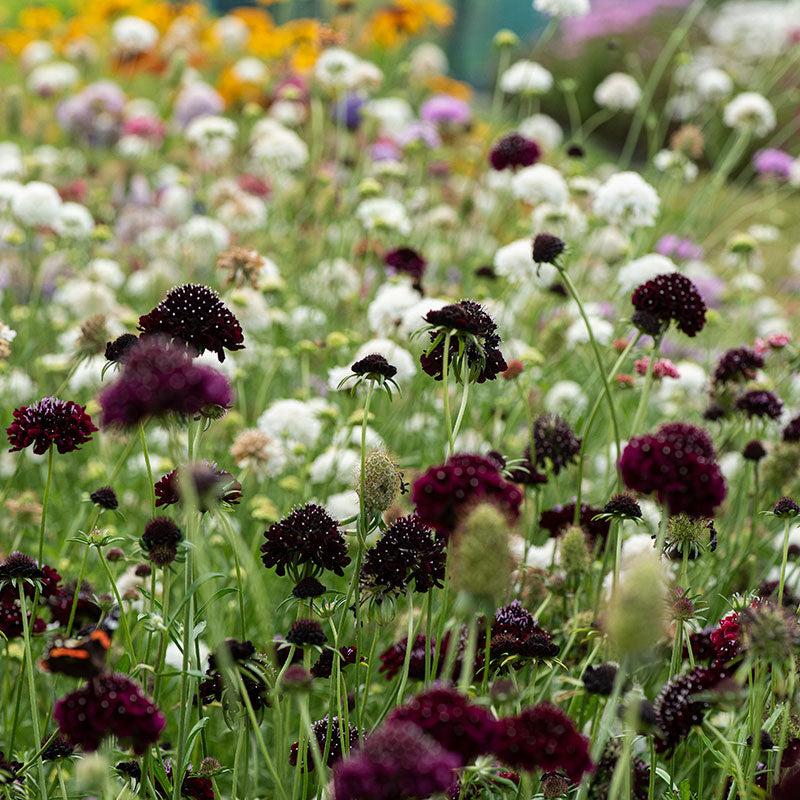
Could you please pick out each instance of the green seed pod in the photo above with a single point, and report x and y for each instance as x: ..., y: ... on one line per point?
x: 382, y: 482
x: 14, y: 110
x: 574, y: 554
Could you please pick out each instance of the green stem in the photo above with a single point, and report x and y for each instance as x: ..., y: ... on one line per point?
x: 45, y: 501
x: 464, y: 398
x: 445, y: 370
x: 150, y: 481
x: 641, y: 410
x: 784, y: 559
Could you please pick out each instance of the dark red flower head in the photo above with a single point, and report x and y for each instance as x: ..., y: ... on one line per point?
x: 544, y: 737
x: 678, y: 463
x: 160, y: 541
x: 514, y: 151
x: 319, y: 729
x: 672, y: 297
x: 558, y: 518
x: 547, y: 248
x: 110, y: 705
x: 463, y: 728
x: 211, y: 486
x: 759, y: 403
x: 309, y: 538
x: 444, y: 492
x: 306, y: 632
x: 195, y: 316
x: 554, y: 443
x: 50, y: 421
x: 374, y: 364
x: 116, y: 350
x: 791, y: 433
x: 159, y: 378
x: 397, y: 761
x: 393, y: 658
x: 754, y: 451
x: 740, y: 363
x: 407, y: 261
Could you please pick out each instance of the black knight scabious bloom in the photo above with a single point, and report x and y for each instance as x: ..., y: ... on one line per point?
x: 306, y: 632
x: 623, y: 506
x: 760, y: 403
x: 554, y: 443
x: 670, y: 298
x: 474, y: 343
x: 319, y: 730
x: 547, y: 248
x: 210, y: 486
x: 394, y: 657
x: 160, y: 378
x: 105, y: 497
x: 740, y: 363
x: 396, y: 761
x: 160, y: 541
x: 308, y: 541
x: 406, y: 261
x: 50, y: 421
x: 195, y: 316
x: 592, y: 521
x: 791, y: 433
x: 116, y: 350
x: 249, y: 665
x: 754, y: 451
x: 513, y: 152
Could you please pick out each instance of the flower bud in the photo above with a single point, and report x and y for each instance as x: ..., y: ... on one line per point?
x: 382, y: 482
x: 574, y: 554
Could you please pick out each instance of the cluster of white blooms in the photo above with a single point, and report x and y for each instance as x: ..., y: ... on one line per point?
x: 526, y: 77
x: 749, y: 30
x: 53, y: 78
x: 293, y: 421
x: 391, y: 113
x: 676, y: 163
x: 74, y: 221
x: 713, y: 84
x: 618, y: 92
x: 383, y: 213
x: 563, y: 8
x: 628, y: 200
x: 565, y: 221
x: 540, y: 183
x: 273, y: 146
x: 544, y: 130
x: 213, y: 137
x: 335, y: 278
x: 643, y: 269
x: 426, y: 61
x: 36, y: 203
x: 387, y: 309
x: 10, y: 160
x: 134, y: 35
x: 250, y: 70
x: 515, y: 263
x: 338, y: 69
x: 231, y: 32
x: 750, y: 112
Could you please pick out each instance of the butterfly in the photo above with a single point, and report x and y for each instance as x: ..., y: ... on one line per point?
x: 83, y: 657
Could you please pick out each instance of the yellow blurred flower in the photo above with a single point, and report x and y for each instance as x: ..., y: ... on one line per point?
x: 392, y: 25
x: 441, y: 84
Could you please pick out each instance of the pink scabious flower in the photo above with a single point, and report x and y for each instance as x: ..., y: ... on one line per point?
x: 663, y: 368
x: 777, y: 341
x: 774, y: 162
x: 678, y: 464
x: 397, y: 761
x: 543, y: 737
x: 459, y: 726
x: 110, y: 705
x: 50, y: 421
x: 677, y: 247
x: 444, y: 492
x: 159, y: 378
x: 443, y: 109
x: 150, y: 128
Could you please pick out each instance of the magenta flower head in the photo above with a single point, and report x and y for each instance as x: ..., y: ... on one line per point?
x: 544, y: 737
x: 47, y: 422
x: 443, y: 109
x: 398, y: 760
x: 678, y: 464
x: 111, y: 705
x: 665, y: 299
x: 195, y: 316
x: 160, y: 378
x: 459, y: 726
x: 406, y: 261
x: 514, y: 151
x: 445, y: 492
x: 772, y: 161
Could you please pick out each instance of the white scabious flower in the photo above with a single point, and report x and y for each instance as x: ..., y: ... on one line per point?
x: 213, y: 137
x: 201, y: 232
x: 243, y: 213
x: 250, y: 70
x: 35, y: 53
x: 562, y: 8
x: 336, y: 68
x: 540, y: 183
x: 526, y: 77
x: 618, y: 92
x: 74, y: 221
x: 643, y: 269
x: 134, y: 35
x: 609, y: 243
x: 11, y: 165
x: 543, y: 129
x: 107, y: 271
x: 426, y: 61
x: 16, y: 386
x: 251, y: 309
x: 386, y: 311
x: 293, y: 421
x: 176, y: 202
x: 563, y: 221
x: 713, y: 84
x: 336, y: 278
x: 36, y: 203
x: 334, y: 464
x: 84, y: 298
x: 413, y: 317
x: 566, y: 398
x: 383, y: 213
x: 676, y: 163
x: 273, y: 146
x: 578, y: 333
x: 515, y: 263
x: 750, y: 111
x: 53, y: 78
x: 392, y: 113
x: 342, y: 505
x: 231, y: 32
x: 628, y: 200
x: 396, y: 355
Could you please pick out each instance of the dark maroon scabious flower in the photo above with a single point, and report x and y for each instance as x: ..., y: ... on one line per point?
x: 19, y: 567
x: 308, y: 587
x: 397, y: 761
x: 159, y: 378
x: 600, y: 679
x: 623, y: 506
x: 702, y: 647
x: 306, y: 632
x: 672, y: 297
x: 11, y: 620
x: 547, y: 248
x: 110, y: 705
x: 558, y: 518
x: 514, y: 151
x: 786, y: 507
x: 374, y: 364
x: 10, y: 772
x: 249, y: 665
x: 116, y: 350
x: 50, y: 421
x: 678, y: 463
x: 759, y: 403
x: 791, y: 433
x: 444, y: 492
x: 393, y: 658
x: 309, y: 538
x: 600, y: 786
x: 57, y: 749
x: 727, y: 639
x: 160, y: 541
x: 195, y: 786
x: 86, y: 611
x: 471, y: 328
x: 195, y: 316
x: 554, y: 443
x: 211, y: 486
x: 740, y: 363
x: 515, y: 632
x: 319, y: 729
x: 407, y: 261
x: 754, y: 451
x: 449, y: 718
x: 105, y: 497
x: 543, y: 737
x: 525, y: 473
x: 323, y: 667
x: 680, y: 706
x: 409, y: 550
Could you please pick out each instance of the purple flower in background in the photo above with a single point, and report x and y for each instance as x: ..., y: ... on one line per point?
x: 347, y: 111
x: 197, y: 100
x: 772, y: 161
x: 419, y: 131
x: 614, y: 16
x: 94, y: 114
x: 442, y: 109
x: 385, y: 150
x: 676, y: 247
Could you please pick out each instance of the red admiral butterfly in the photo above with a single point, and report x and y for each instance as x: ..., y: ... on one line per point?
x: 84, y: 657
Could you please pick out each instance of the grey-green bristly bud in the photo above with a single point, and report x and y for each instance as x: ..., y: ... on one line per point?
x: 382, y: 482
